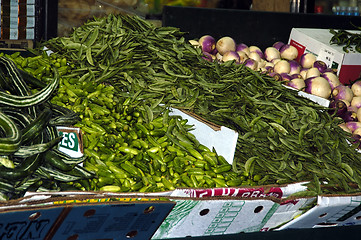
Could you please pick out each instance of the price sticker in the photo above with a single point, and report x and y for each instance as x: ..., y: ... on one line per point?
x: 71, y: 142
x: 326, y: 56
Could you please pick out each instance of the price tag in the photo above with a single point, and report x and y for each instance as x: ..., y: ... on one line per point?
x: 71, y: 142
x: 326, y: 56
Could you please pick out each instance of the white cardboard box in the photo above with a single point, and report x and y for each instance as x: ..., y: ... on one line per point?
x: 317, y: 41
x: 330, y: 211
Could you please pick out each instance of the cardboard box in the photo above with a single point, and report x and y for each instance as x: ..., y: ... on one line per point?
x: 330, y: 211
x: 317, y: 41
x: 221, y: 216
x: 93, y: 216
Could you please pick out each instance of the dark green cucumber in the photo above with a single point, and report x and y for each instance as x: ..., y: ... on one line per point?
x: 20, y: 118
x: 30, y: 100
x: 37, y: 126
x: 15, y: 81
x: 61, y: 175
x: 31, y: 80
x: 12, y: 141
x: 54, y: 160
x: 27, y: 167
x: 62, y: 116
x: 27, y: 151
x: 68, y: 159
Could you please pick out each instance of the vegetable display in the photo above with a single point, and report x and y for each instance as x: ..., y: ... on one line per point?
x: 121, y: 61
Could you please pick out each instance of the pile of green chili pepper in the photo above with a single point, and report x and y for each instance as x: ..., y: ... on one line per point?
x: 348, y: 40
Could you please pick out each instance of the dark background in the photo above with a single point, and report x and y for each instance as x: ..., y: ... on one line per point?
x: 247, y: 26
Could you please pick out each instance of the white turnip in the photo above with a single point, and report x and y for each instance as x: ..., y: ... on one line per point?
x: 282, y: 66
x: 356, y: 102
x: 356, y: 88
x: 297, y: 83
x: 313, y: 72
x: 288, y: 52
x: 225, y: 44
x: 307, y: 60
x: 332, y: 79
x: 271, y: 53
x: 318, y: 86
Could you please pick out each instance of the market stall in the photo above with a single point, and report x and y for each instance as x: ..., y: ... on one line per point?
x: 189, y: 129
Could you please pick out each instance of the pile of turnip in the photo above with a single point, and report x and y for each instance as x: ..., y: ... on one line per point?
x: 305, y: 73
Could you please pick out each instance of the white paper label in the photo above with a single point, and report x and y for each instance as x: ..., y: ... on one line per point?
x: 327, y: 56
x: 30, y: 33
x: 14, y: 2
x: 30, y: 10
x: 71, y: 142
x: 13, y: 34
x: 30, y: 22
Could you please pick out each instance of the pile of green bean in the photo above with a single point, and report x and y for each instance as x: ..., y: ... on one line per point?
x: 283, y: 137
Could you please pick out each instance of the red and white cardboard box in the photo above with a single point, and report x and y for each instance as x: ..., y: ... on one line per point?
x: 317, y: 41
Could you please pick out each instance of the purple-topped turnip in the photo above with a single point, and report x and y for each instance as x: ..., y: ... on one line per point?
x: 296, y: 75
x: 297, y: 83
x: 288, y: 52
x: 278, y: 45
x: 208, y: 43
x: 271, y: 53
x: 225, y: 44
x: 286, y: 77
x: 295, y: 67
x: 231, y: 56
x: 255, y: 56
x: 344, y: 127
x: 242, y: 48
x: 353, y: 125
x: 320, y: 65
x: 318, y: 86
x: 337, y: 107
x: 282, y: 66
x: 275, y: 75
x: 342, y: 92
x: 356, y: 102
x: 331, y: 78
x: 242, y: 56
x: 356, y: 88
x: 252, y: 64
x: 307, y: 60
x: 303, y: 72
x: 207, y: 56
x: 313, y: 72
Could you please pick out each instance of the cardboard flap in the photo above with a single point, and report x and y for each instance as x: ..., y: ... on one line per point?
x: 330, y: 211
x: 222, y: 139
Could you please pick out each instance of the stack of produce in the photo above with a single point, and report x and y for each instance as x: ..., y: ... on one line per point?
x: 123, y: 62
x: 306, y: 74
x: 29, y: 157
x: 279, y: 61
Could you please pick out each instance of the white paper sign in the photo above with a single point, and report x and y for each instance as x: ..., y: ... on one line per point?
x: 327, y: 56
